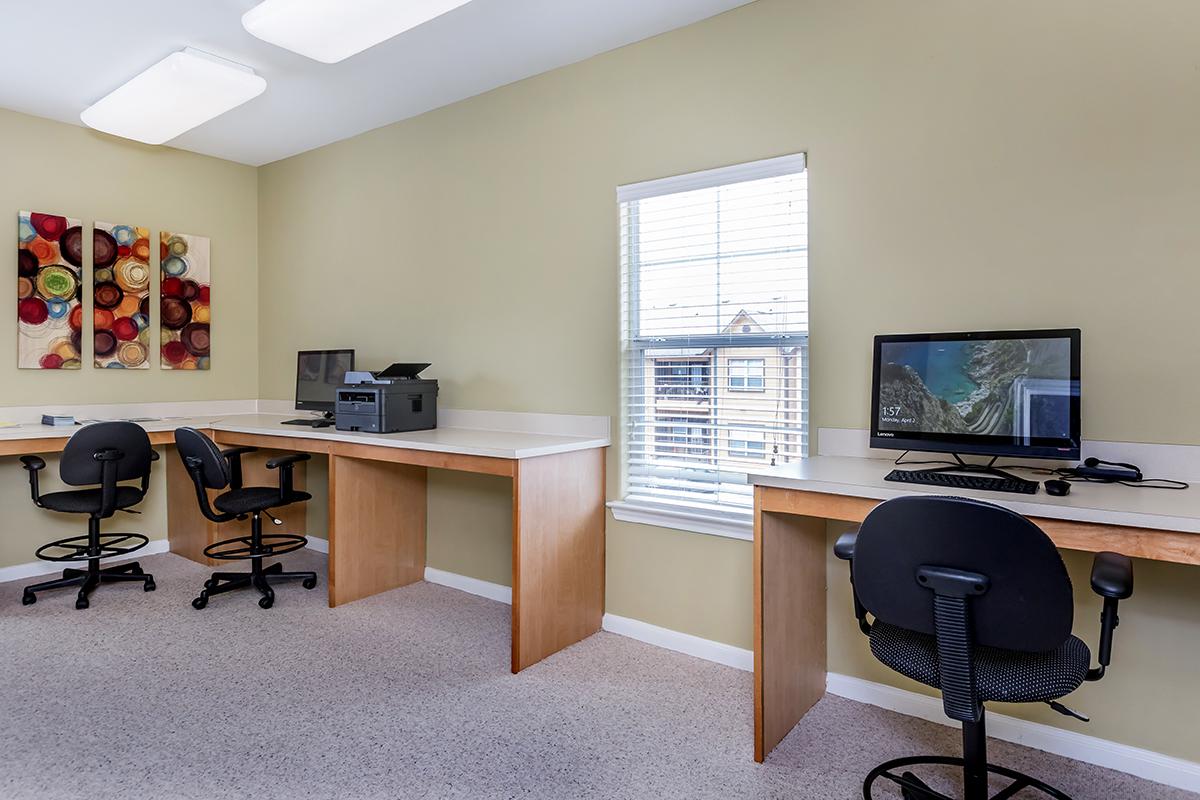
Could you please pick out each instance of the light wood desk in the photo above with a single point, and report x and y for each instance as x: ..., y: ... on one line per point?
x: 377, y: 510
x: 793, y: 503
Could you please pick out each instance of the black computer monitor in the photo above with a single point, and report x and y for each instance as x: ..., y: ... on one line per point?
x: 997, y: 393
x: 318, y: 375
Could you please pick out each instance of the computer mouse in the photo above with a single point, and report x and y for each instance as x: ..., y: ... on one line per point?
x: 1058, y: 488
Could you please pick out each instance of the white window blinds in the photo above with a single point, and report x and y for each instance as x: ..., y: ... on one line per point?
x: 714, y: 332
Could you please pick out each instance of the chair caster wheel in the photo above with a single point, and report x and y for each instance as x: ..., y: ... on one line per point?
x: 200, y: 602
x: 266, y: 602
x: 309, y: 583
x: 28, y: 599
x: 150, y: 586
x: 82, y: 603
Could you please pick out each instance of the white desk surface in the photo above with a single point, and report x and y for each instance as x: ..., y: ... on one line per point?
x: 459, y: 441
x: 1107, y: 504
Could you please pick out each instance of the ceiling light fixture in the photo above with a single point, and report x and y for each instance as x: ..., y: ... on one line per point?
x: 333, y: 30
x: 182, y: 91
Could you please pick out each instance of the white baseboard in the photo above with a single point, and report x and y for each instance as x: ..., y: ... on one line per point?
x: 685, y: 643
x: 492, y: 591
x: 34, y: 569
x: 1090, y: 749
x: 318, y: 544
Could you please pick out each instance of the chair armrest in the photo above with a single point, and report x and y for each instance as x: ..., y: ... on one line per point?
x: 844, y: 548
x: 1112, y: 579
x: 33, y: 463
x: 1112, y: 576
x: 154, y: 455
x: 286, y: 466
x: 288, y: 460
x: 233, y: 455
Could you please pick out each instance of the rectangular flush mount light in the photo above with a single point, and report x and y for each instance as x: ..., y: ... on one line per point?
x: 182, y: 91
x: 333, y: 30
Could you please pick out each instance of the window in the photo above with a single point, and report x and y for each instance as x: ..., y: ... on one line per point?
x: 714, y: 336
x: 748, y: 374
x: 747, y: 444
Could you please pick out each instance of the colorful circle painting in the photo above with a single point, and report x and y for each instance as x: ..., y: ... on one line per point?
x: 49, y: 254
x: 120, y: 291
x: 185, y: 314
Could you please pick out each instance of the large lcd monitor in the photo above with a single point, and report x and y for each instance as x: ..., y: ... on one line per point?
x: 318, y: 375
x: 997, y: 393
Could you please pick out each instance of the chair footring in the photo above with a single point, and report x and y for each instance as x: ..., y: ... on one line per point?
x: 88, y: 579
x: 81, y: 548
x: 242, y: 548
x: 913, y: 788
x: 259, y: 578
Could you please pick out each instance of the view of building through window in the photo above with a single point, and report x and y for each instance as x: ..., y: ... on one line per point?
x: 715, y: 338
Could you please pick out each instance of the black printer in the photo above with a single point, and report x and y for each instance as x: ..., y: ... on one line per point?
x: 391, y: 401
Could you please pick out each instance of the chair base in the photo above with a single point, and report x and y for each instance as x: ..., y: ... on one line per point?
x: 913, y: 788
x: 259, y: 577
x: 88, y: 579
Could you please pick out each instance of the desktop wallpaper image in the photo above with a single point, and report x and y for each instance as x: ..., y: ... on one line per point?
x: 996, y: 387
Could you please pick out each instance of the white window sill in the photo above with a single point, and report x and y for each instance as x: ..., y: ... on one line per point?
x: 730, y: 526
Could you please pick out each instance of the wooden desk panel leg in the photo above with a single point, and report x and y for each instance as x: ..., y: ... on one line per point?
x: 789, y: 623
x: 187, y: 529
x: 376, y: 527
x: 558, y: 553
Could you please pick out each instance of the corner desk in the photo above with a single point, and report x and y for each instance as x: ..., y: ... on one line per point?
x: 793, y: 503
x: 377, y: 509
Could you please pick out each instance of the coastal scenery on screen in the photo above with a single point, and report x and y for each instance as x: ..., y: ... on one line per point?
x: 49, y: 281
x: 185, y: 309
x: 121, y: 296
x: 1018, y: 388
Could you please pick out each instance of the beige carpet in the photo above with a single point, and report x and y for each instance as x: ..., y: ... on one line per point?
x: 406, y: 694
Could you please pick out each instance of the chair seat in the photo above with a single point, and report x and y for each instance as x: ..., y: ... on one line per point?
x: 1008, y: 676
x: 256, y: 498
x: 88, y: 501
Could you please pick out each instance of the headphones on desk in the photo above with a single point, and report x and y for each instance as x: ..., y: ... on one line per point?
x: 1095, y: 462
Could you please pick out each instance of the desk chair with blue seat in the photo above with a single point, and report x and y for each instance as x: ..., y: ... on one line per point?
x: 103, y: 455
x: 974, y: 600
x: 211, y: 468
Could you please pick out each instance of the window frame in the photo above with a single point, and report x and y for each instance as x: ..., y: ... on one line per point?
x: 759, y: 374
x: 722, y: 520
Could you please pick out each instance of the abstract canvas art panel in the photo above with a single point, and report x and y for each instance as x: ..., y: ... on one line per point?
x: 49, y: 291
x: 185, y: 313
x: 121, y: 296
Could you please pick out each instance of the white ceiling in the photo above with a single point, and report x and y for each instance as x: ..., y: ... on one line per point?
x: 59, y: 56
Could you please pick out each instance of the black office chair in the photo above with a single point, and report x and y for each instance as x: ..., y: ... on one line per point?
x: 104, y: 454
x: 974, y: 600
x: 215, y: 469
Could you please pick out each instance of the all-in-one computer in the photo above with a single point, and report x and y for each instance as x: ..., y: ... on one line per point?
x: 319, y: 373
x: 999, y: 393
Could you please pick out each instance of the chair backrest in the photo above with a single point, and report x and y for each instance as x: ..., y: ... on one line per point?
x: 78, y: 466
x: 214, y: 469
x: 1028, y: 605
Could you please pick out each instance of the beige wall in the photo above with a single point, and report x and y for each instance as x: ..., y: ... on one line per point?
x: 56, y: 168
x: 971, y: 166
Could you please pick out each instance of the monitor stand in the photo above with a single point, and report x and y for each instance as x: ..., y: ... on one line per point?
x: 323, y: 421
x: 982, y: 469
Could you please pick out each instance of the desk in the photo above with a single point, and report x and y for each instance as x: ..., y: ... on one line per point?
x: 377, y: 510
x: 793, y: 503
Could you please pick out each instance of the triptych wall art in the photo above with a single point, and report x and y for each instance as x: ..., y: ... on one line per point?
x: 50, y: 292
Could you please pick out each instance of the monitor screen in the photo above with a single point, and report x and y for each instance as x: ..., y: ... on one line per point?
x: 318, y: 374
x: 1006, y: 393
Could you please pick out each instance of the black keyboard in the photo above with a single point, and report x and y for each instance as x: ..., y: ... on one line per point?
x: 311, y: 422
x: 957, y: 480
